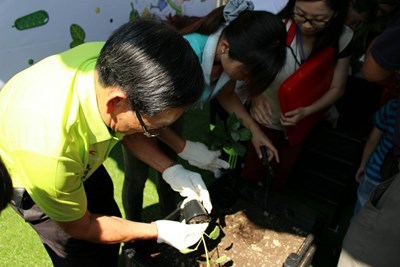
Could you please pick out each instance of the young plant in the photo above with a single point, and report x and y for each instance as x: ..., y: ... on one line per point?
x: 229, y: 134
x: 213, y: 235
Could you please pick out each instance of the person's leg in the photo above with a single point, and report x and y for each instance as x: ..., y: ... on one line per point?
x: 62, y: 248
x: 253, y: 169
x: 136, y: 174
x: 288, y: 156
x: 167, y: 196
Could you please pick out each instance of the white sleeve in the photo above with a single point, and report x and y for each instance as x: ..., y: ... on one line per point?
x: 345, y: 38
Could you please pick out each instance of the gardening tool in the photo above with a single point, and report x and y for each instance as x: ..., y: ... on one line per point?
x: 266, y: 180
x: 303, y: 256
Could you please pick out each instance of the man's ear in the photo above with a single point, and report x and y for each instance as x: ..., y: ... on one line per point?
x: 114, y: 99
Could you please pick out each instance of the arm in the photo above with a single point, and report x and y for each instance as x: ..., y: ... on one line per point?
x: 147, y: 150
x: 189, y: 184
x: 369, y: 148
x: 196, y: 153
x: 172, y: 139
x: 260, y: 109
x: 230, y: 101
x: 336, y: 90
x: 107, y: 229
x: 371, y: 70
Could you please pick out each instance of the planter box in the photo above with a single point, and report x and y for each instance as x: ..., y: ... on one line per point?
x: 250, y: 236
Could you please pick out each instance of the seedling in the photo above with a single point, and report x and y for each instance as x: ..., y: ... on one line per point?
x: 213, y: 235
x: 229, y: 134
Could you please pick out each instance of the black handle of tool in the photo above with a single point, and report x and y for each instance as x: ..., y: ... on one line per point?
x: 264, y: 155
x: 294, y: 259
x: 268, y: 178
x: 306, y: 245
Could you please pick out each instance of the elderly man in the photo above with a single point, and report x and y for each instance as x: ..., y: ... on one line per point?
x: 61, y: 117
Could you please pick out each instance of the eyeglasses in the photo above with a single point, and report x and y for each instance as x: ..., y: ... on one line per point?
x: 146, y: 132
x: 313, y: 22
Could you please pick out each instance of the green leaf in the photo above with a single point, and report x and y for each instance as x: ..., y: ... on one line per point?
x: 235, y: 126
x: 231, y: 120
x: 187, y: 250
x: 235, y: 136
x: 239, y: 148
x: 244, y: 134
x: 221, y: 259
x: 227, y: 134
x: 215, y: 233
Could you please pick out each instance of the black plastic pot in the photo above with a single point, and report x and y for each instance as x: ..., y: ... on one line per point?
x: 194, y: 212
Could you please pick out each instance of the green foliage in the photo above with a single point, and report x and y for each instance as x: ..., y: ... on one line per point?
x: 229, y: 134
x: 213, y: 235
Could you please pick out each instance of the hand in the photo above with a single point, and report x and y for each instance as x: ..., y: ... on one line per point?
x: 197, y: 154
x: 261, y: 110
x: 359, y: 174
x: 189, y: 184
x: 292, y: 117
x: 260, y: 139
x: 179, y: 235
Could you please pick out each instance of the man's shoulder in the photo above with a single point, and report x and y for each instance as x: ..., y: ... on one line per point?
x: 85, y: 50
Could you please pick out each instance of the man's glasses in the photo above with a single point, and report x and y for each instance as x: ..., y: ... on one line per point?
x: 313, y: 22
x: 146, y: 132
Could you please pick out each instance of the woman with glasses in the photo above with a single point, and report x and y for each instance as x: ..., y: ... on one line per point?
x: 318, y: 24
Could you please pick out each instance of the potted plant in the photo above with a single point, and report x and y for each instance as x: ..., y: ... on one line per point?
x: 229, y: 136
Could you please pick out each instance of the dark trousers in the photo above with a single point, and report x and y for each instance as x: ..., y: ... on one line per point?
x: 62, y: 248
x: 136, y: 174
x: 253, y: 168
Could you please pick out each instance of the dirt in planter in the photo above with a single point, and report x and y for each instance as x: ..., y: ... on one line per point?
x: 249, y: 237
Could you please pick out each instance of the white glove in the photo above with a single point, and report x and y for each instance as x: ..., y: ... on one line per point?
x: 197, y: 154
x: 189, y: 184
x: 179, y: 235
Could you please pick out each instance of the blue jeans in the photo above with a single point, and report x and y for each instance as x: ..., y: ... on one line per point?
x: 364, y: 190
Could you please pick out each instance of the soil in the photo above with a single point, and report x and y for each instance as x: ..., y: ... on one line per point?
x: 249, y: 236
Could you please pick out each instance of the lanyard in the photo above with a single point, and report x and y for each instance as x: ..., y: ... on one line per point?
x: 302, y: 53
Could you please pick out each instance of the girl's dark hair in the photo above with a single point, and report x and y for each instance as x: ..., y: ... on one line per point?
x: 257, y: 39
x: 330, y: 35
x: 153, y: 64
x: 6, y: 187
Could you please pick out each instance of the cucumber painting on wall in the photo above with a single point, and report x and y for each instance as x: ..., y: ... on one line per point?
x: 34, y: 29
